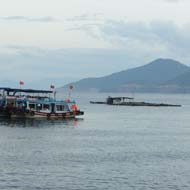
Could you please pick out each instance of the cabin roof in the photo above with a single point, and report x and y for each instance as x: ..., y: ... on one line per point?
x: 25, y: 90
x: 119, y: 98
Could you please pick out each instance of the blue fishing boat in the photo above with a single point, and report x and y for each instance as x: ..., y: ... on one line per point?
x: 29, y: 103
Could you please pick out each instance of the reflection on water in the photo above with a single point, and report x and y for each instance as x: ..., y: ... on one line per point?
x: 43, y: 122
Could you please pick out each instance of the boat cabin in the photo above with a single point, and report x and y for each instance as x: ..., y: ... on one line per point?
x: 118, y: 100
x: 35, y: 100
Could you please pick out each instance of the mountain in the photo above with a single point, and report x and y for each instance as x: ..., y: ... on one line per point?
x: 179, y: 84
x: 181, y: 80
x: 145, y: 78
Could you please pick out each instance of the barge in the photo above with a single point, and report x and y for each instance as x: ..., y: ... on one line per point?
x: 128, y: 101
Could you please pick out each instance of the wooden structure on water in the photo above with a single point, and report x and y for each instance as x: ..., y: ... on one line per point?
x: 127, y: 101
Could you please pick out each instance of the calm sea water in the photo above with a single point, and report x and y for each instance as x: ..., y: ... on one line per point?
x: 109, y: 148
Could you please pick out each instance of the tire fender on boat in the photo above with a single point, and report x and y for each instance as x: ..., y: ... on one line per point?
x: 68, y: 113
x: 32, y: 113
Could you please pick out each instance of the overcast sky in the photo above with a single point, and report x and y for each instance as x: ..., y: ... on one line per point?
x: 58, y: 41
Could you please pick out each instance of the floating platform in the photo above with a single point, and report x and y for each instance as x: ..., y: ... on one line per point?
x: 126, y: 101
x: 139, y: 104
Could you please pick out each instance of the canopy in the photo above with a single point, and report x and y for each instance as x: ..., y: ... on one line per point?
x: 15, y: 90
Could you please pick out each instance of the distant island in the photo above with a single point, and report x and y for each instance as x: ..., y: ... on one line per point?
x: 161, y: 76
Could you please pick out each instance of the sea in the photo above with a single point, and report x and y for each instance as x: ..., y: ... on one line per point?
x: 110, y: 147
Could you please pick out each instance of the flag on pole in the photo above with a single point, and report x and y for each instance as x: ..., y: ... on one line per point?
x: 21, y: 83
x: 52, y: 86
x: 71, y: 87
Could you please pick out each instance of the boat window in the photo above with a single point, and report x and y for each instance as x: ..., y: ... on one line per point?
x: 32, y: 106
x: 46, y: 106
x: 39, y: 106
x: 11, y: 102
x: 66, y: 108
x: 59, y: 107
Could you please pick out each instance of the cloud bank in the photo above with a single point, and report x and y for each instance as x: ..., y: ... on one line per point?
x: 29, y: 19
x: 157, y: 32
x: 132, y: 44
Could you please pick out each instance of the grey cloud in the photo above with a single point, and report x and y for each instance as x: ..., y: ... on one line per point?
x: 134, y: 44
x: 144, y: 41
x: 174, y: 1
x: 85, y: 27
x: 79, y: 18
x: 30, y: 19
x: 86, y: 17
x: 85, y: 22
x: 159, y: 34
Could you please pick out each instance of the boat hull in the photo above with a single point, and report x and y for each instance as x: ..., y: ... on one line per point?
x: 35, y: 114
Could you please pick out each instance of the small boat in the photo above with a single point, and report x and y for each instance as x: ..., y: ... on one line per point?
x: 29, y: 103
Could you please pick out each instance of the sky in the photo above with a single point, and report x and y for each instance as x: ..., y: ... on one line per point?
x: 45, y: 42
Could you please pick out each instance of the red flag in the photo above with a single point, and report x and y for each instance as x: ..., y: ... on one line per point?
x: 52, y: 86
x: 21, y: 83
x: 71, y: 87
